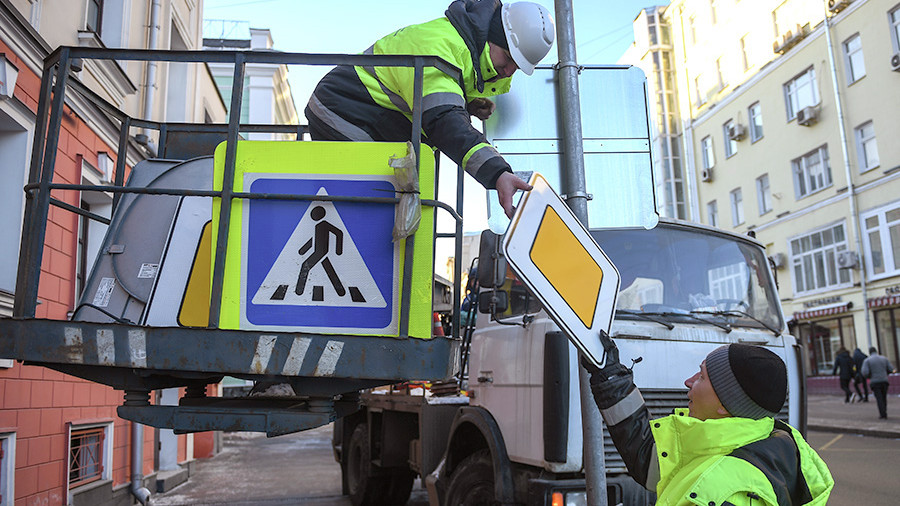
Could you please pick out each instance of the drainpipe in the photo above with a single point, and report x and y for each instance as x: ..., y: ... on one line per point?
x: 851, y: 190
x: 152, y: 42
x: 137, y: 459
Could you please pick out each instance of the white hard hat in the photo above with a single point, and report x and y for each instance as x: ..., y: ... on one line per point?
x: 529, y: 33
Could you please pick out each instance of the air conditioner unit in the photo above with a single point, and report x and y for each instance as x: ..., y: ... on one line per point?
x: 736, y: 132
x: 847, y: 260
x: 807, y: 116
x: 778, y: 260
x: 895, y: 62
x: 836, y: 6
x: 706, y: 175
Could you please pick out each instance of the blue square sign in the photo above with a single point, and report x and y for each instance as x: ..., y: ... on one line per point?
x: 320, y: 266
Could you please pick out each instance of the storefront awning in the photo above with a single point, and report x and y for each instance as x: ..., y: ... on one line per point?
x: 887, y: 300
x: 827, y: 310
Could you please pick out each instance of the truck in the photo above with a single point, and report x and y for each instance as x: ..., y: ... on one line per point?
x: 509, y: 429
x: 512, y: 432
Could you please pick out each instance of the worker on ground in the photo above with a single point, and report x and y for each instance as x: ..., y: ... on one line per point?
x: 487, y: 40
x: 726, y: 448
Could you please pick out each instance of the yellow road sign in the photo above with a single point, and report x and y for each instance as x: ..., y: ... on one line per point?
x: 555, y: 256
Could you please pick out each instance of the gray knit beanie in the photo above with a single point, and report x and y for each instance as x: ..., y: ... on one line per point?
x: 750, y: 381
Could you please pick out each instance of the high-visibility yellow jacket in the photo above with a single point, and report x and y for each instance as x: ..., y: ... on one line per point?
x: 375, y: 103
x: 736, y: 461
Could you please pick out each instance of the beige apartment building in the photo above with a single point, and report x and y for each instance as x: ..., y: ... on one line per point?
x: 780, y: 119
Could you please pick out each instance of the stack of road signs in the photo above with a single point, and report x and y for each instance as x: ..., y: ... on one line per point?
x: 321, y: 266
x: 555, y: 256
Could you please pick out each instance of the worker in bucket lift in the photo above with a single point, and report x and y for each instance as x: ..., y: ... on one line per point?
x: 726, y: 448
x: 487, y: 40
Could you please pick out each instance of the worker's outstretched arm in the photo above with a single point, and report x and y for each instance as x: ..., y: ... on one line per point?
x: 626, y: 415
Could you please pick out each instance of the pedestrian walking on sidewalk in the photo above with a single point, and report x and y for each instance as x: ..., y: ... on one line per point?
x: 843, y: 364
x: 858, y: 358
x: 877, y: 368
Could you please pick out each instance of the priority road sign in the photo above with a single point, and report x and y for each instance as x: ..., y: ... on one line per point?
x: 322, y: 266
x: 558, y: 260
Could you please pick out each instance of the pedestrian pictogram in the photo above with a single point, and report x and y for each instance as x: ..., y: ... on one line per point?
x: 320, y: 265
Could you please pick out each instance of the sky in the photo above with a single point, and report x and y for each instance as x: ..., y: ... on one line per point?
x: 603, y: 31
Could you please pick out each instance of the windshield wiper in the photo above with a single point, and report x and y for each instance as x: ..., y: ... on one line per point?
x: 644, y: 316
x: 738, y: 312
x: 669, y: 314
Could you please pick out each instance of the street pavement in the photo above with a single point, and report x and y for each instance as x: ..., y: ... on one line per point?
x: 300, y: 469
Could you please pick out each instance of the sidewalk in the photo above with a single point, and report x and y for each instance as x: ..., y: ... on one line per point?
x: 829, y: 413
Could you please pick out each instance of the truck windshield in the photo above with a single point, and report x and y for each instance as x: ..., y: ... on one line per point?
x: 673, y: 270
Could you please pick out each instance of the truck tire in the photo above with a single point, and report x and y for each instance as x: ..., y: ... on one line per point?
x: 365, y: 489
x: 472, y: 482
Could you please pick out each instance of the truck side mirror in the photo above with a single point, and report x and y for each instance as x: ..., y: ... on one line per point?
x: 493, y: 301
x: 491, y: 263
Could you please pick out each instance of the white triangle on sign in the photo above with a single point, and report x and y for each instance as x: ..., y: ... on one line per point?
x: 333, y: 280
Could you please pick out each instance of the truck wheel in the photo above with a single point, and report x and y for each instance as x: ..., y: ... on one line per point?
x: 472, y: 483
x: 363, y: 487
x: 398, y: 484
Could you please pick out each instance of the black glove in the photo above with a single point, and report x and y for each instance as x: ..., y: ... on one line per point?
x: 614, y: 381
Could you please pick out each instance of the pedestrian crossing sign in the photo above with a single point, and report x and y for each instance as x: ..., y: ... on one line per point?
x: 321, y: 266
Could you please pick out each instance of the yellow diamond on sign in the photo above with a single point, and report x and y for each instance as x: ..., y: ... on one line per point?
x: 569, y: 268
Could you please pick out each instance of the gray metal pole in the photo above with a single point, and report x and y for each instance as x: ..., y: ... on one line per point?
x: 576, y: 197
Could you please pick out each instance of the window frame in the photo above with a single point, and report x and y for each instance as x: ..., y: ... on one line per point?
x: 849, y: 59
x: 731, y: 145
x: 751, y: 124
x: 802, y: 175
x: 792, y: 106
x: 736, y: 199
x: 707, y: 152
x: 98, y: 4
x: 861, y: 142
x: 763, y: 194
x: 712, y: 213
x: 7, y: 468
x: 105, y: 454
x: 889, y: 262
x: 745, y: 52
x: 894, y: 26
x: 797, y: 260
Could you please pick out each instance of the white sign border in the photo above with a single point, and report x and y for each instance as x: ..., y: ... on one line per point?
x: 517, y: 243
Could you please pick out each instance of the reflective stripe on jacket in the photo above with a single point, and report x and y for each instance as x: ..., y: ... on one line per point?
x: 375, y: 103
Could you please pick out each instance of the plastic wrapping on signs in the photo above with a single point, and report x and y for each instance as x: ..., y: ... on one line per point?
x: 409, y: 211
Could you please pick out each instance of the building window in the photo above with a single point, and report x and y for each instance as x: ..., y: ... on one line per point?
x: 745, y: 55
x: 754, y: 112
x: 894, y: 17
x: 887, y: 326
x: 7, y: 467
x: 713, y: 17
x: 706, y: 147
x: 90, y: 453
x: 701, y: 93
x: 94, y: 16
x: 814, y: 260
x: 737, y: 206
x: 763, y: 194
x: 882, y: 232
x: 823, y: 339
x: 801, y: 92
x: 712, y: 212
x: 866, y: 148
x: 811, y: 172
x: 14, y: 151
x: 853, y: 59
x: 730, y: 144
